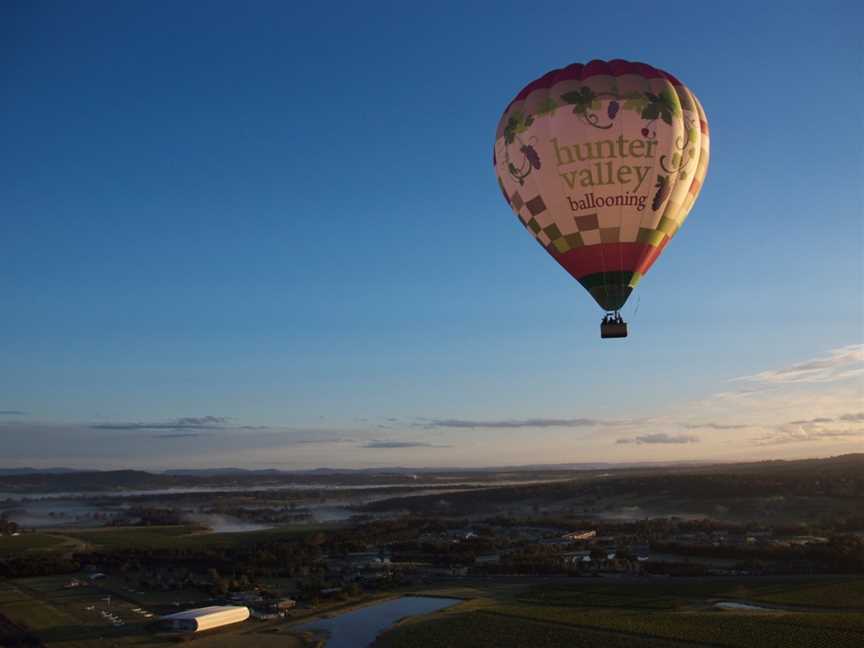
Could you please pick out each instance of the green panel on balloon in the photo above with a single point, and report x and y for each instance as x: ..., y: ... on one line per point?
x: 606, y: 278
x: 611, y: 297
x: 667, y: 226
x: 649, y: 236
x: 561, y: 245
x: 574, y: 240
x: 609, y: 289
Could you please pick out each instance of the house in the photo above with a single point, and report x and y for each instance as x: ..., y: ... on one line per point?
x: 250, y: 598
x: 576, y: 557
x: 579, y: 536
x: 366, y: 559
x: 285, y: 604
x: 554, y: 542
x: 641, y: 552
x: 330, y: 591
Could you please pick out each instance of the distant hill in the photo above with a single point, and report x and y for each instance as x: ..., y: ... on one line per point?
x: 32, y: 480
x: 31, y: 471
x: 757, y: 488
x: 409, y: 470
x: 209, y: 472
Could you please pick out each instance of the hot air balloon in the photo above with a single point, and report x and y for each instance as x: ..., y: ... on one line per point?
x: 602, y: 162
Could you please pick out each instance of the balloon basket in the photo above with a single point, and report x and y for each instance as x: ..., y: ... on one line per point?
x: 613, y: 330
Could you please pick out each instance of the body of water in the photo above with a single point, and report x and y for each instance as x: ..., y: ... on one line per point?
x: 359, y: 628
x: 732, y: 605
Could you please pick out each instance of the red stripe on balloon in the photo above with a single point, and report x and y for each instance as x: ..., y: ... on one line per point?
x: 579, y: 72
x: 610, y: 257
x: 604, y: 257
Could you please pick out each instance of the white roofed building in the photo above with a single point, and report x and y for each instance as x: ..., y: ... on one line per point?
x: 205, y: 618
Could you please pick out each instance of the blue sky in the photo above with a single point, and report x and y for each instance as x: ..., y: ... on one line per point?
x: 285, y: 218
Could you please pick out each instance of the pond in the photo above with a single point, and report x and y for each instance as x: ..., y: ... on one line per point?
x: 359, y: 628
x: 733, y: 605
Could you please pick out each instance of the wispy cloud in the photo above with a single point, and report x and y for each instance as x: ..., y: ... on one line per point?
x: 513, y: 423
x: 659, y: 438
x: 820, y: 428
x: 12, y: 413
x: 178, y: 435
x: 715, y: 426
x: 183, y: 423
x: 798, y: 434
x: 401, y: 444
x: 820, y: 419
x: 839, y: 364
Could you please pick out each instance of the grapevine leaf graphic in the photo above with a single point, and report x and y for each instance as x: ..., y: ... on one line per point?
x: 665, y: 106
x: 547, y: 107
x: 669, y: 98
x: 651, y: 111
x: 635, y: 101
x: 581, y: 100
x: 518, y: 123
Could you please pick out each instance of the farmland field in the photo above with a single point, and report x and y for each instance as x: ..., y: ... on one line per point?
x: 73, y: 618
x: 24, y: 608
x: 714, y: 627
x: 480, y: 630
x: 172, y: 537
x: 29, y: 542
x: 841, y: 593
x: 668, y: 613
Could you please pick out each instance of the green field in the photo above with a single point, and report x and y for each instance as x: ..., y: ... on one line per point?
x: 667, y: 613
x: 24, y: 608
x: 480, y: 630
x: 846, y: 593
x: 29, y: 542
x: 172, y: 537
x: 72, y: 618
x: 719, y: 628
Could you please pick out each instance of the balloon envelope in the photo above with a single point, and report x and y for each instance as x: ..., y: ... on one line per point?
x: 602, y: 163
